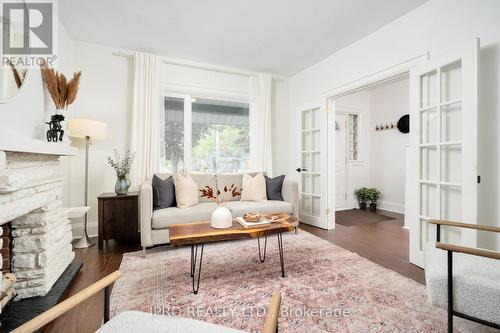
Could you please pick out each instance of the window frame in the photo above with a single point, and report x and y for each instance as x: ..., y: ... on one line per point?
x: 188, y: 96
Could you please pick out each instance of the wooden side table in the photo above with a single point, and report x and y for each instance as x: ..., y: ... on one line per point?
x: 118, y: 217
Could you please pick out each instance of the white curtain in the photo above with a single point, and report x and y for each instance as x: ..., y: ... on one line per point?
x: 146, y: 117
x: 260, y: 123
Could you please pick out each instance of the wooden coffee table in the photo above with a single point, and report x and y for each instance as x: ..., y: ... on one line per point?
x: 197, y: 234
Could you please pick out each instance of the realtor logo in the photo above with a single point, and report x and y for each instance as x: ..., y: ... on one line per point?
x: 27, y: 28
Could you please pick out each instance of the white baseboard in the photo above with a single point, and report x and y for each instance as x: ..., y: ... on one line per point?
x: 77, y: 227
x: 390, y: 206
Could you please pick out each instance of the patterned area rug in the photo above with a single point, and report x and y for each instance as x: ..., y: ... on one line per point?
x: 326, y: 289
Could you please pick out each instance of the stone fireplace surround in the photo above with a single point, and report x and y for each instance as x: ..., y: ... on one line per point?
x: 31, y: 201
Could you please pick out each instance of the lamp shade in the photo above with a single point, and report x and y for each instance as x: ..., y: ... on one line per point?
x: 81, y: 128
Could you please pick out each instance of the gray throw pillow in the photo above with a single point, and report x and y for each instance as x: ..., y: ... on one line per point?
x: 163, y: 192
x: 273, y: 187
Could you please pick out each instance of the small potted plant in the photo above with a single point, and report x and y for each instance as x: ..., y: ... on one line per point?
x: 122, y: 168
x: 373, y: 195
x: 360, y: 195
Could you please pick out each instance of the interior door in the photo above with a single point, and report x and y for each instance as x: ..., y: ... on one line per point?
x: 312, y: 169
x: 443, y: 97
x: 340, y: 162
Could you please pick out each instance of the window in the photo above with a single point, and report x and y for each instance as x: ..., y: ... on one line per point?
x: 353, y: 136
x: 206, y: 135
x: 173, y: 158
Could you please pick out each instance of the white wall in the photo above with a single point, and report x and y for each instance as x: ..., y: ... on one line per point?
x: 434, y: 27
x: 105, y: 94
x: 388, y: 147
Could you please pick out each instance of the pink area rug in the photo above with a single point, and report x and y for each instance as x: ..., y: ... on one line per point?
x: 326, y: 289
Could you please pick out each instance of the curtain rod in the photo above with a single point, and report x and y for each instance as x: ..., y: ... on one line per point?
x: 202, y: 66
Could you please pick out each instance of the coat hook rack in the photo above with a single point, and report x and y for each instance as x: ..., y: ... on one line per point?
x: 385, y: 126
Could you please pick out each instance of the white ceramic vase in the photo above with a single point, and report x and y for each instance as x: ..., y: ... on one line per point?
x: 221, y: 218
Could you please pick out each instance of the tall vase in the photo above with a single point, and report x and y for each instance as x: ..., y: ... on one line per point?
x: 121, y: 186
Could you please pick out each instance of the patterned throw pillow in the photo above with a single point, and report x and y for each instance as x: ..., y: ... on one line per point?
x: 203, y: 180
x: 230, y: 182
x: 273, y: 187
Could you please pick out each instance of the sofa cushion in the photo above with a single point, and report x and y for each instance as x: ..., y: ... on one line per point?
x: 202, y: 180
x: 162, y: 218
x: 226, y: 180
x: 476, y: 283
x: 238, y: 208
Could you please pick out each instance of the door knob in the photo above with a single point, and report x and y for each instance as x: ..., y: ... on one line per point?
x: 299, y: 169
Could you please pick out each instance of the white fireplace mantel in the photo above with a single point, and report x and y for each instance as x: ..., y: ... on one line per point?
x: 9, y: 142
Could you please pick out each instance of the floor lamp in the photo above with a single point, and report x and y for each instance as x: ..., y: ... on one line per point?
x: 89, y: 130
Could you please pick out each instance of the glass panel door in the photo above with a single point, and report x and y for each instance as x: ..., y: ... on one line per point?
x: 311, y: 187
x: 446, y: 152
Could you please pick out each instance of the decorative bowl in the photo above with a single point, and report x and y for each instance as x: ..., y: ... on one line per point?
x: 251, y: 217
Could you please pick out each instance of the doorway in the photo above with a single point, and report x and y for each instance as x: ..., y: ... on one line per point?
x: 370, y: 150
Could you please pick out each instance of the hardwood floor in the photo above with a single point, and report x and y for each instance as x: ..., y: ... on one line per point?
x: 385, y: 243
x: 87, y: 317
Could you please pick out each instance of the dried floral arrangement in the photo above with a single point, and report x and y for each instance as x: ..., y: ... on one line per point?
x: 209, y: 193
x: 62, y: 91
x: 121, y: 165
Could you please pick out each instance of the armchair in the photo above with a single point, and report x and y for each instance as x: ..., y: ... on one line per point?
x: 472, y: 284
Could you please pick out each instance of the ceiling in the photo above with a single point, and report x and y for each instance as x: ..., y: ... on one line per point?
x: 278, y: 36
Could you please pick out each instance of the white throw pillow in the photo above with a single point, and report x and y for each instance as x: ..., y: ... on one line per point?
x: 186, y: 191
x: 253, y: 188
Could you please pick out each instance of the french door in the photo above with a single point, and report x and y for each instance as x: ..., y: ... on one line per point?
x: 312, y: 169
x: 443, y: 97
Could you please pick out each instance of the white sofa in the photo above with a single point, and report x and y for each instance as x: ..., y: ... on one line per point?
x: 155, y: 223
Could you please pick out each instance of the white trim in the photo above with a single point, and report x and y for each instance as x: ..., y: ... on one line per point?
x: 202, y: 65
x: 381, y: 76
x: 391, y: 206
x: 209, y: 93
x: 77, y: 228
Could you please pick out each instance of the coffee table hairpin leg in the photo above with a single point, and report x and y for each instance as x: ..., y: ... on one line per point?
x: 262, y: 257
x: 262, y: 254
x: 194, y: 257
x: 282, y: 257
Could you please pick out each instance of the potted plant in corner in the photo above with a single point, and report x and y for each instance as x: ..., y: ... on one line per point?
x: 360, y: 195
x: 373, y: 195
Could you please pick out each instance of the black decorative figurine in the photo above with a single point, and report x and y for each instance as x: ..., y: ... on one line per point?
x: 55, y: 132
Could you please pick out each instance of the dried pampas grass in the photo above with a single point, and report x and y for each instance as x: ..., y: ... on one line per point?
x: 63, y: 93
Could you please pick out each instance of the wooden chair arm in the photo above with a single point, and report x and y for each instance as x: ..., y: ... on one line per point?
x: 468, y: 250
x: 480, y: 227
x: 66, y: 305
x: 271, y: 323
